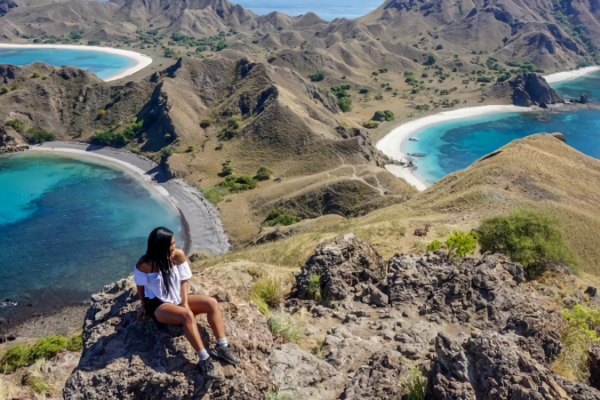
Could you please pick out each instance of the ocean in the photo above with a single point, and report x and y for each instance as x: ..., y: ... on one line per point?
x: 328, y: 10
x: 104, y: 65
x: 69, y: 226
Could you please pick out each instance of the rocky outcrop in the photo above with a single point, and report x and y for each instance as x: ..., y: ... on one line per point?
x: 489, y: 366
x: 526, y: 90
x: 475, y: 328
x: 11, y: 142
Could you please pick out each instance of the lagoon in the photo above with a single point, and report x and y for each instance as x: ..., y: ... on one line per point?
x: 108, y: 64
x: 70, y: 225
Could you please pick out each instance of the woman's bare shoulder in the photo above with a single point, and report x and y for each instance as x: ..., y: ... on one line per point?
x: 143, y: 266
x: 178, y: 256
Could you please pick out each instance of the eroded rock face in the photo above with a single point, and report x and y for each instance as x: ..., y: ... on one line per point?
x: 474, y: 326
x: 525, y: 90
x: 127, y: 360
x: 490, y: 366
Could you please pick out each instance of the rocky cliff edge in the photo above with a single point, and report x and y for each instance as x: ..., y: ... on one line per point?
x: 474, y: 327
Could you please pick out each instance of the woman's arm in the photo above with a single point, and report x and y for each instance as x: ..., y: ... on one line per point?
x: 142, y: 310
x: 184, y: 294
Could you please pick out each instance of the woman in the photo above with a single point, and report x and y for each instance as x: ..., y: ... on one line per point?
x: 161, y: 277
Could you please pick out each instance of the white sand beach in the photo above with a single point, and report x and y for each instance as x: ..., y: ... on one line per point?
x: 567, y: 75
x: 390, y: 144
x: 142, y: 60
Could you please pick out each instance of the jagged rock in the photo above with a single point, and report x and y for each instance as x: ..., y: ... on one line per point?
x: 124, y: 359
x: 578, y: 390
x: 583, y: 99
x: 379, y: 379
x: 591, y: 291
x: 560, y: 137
x: 595, y: 366
x: 341, y: 265
x: 343, y: 350
x: 492, y: 366
x: 296, y: 371
x: 526, y: 89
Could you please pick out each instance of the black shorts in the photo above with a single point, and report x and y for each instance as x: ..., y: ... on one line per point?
x: 151, y: 306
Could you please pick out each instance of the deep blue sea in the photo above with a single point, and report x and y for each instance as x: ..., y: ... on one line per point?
x: 102, y: 64
x: 328, y: 10
x: 454, y: 145
x: 69, y: 226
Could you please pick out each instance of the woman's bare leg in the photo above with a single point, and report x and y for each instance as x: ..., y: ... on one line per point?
x: 209, y: 306
x: 175, y: 315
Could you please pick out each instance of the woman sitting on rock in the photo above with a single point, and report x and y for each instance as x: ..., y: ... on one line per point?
x: 161, y: 277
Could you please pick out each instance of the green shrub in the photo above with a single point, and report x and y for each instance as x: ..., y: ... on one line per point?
x: 370, y: 124
x: 263, y: 307
x: 461, y: 243
x: 47, y: 347
x: 227, y: 169
x: 166, y: 152
x: 103, y: 138
x: 230, y: 131
x: 39, y: 136
x: 279, y: 217
x: 433, y: 246
x: 264, y: 173
x: 16, y: 125
x: 215, y: 194
x: 36, y: 74
x: 14, y: 358
x: 75, y: 343
x: 271, y: 395
x: 415, y: 385
x: 101, y: 113
x: 526, y: 236
x: 39, y: 385
x: 386, y: 115
x: 363, y: 91
x: 93, y: 43
x: 238, y: 184
x: 576, y: 337
x: 4, y: 90
x: 190, y: 149
x: 345, y: 104
x: 205, y: 123
x: 270, y: 289
x: 281, y: 325
x: 314, y: 288
x: 317, y: 77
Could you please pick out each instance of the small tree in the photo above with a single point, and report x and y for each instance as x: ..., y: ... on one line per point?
x: 433, y: 246
x: 345, y: 104
x: 264, y: 173
x: 166, y: 152
x: 461, y: 243
x: 525, y: 237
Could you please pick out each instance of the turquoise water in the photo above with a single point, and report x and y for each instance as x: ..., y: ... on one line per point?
x: 104, y: 65
x: 328, y: 10
x: 69, y: 226
x: 588, y: 84
x: 454, y: 145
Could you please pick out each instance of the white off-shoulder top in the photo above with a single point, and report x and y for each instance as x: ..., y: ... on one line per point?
x: 154, y: 286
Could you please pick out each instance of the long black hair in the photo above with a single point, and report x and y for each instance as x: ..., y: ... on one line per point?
x: 158, y: 254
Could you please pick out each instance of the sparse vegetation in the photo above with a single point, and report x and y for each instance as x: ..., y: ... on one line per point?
x: 17, y: 125
x: 370, y: 124
x: 281, y: 325
x: 264, y: 173
x: 317, y: 77
x: 577, y: 336
x: 435, y: 245
x: 314, y: 287
x: 166, y: 152
x: 415, y: 385
x: 4, y: 90
x: 39, y: 136
x: 345, y: 104
x: 44, y: 348
x: 270, y: 289
x: 386, y: 115
x: 215, y: 194
x: 461, y: 244
x: 237, y: 184
x: 526, y: 236
x: 279, y: 217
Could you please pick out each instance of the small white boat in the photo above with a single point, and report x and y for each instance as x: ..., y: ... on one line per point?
x: 413, y: 139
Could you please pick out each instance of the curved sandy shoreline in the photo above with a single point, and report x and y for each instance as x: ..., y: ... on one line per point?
x: 391, y: 143
x: 201, y: 225
x: 142, y: 60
